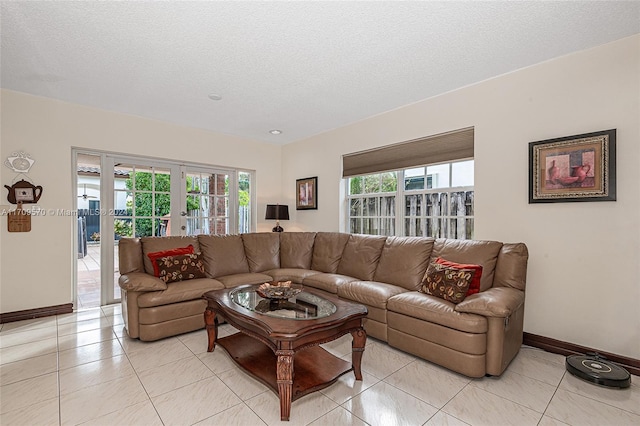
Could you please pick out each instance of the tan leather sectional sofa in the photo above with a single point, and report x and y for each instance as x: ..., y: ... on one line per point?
x: 476, y: 337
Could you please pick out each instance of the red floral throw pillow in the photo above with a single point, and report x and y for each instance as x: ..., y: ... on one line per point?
x: 171, y: 252
x: 447, y: 282
x: 475, y: 282
x: 180, y: 267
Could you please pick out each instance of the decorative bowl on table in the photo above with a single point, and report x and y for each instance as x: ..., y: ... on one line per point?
x: 278, y: 290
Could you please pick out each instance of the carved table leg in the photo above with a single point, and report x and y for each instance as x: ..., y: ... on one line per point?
x: 284, y: 377
x: 357, y: 347
x: 212, y: 327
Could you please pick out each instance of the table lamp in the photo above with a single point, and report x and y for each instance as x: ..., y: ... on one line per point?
x: 277, y: 212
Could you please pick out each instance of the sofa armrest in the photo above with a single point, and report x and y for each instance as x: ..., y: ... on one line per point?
x: 498, y: 302
x: 140, y: 281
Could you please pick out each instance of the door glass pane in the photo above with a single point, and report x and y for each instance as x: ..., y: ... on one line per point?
x: 244, y: 202
x: 144, y: 204
x: 161, y: 180
x: 88, y: 264
x: 208, y: 203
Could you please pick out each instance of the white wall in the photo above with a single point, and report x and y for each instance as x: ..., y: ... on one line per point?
x: 36, y: 267
x: 90, y: 185
x: 584, y: 274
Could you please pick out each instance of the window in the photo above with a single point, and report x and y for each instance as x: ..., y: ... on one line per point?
x: 434, y: 201
x: 372, y: 201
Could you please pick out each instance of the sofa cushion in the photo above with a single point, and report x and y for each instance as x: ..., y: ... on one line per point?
x: 484, y: 253
x: 140, y: 281
x: 474, y: 287
x: 130, y: 257
x: 511, y: 269
x: 155, y: 244
x: 230, y: 281
x: 403, y: 261
x: 180, y: 267
x: 179, y: 292
x: 290, y: 274
x: 296, y: 249
x: 327, y: 251
x: 369, y: 293
x: 172, y: 252
x: 436, y: 310
x: 327, y: 282
x: 360, y: 256
x: 447, y: 282
x: 498, y: 302
x: 262, y: 250
x: 223, y: 255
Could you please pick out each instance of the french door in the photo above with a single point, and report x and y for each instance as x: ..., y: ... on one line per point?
x: 147, y: 197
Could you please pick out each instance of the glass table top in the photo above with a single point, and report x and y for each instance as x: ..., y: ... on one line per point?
x: 300, y: 307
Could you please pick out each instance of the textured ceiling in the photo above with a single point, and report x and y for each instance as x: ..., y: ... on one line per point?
x: 302, y: 67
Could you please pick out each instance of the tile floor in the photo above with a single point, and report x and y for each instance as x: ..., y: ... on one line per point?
x: 81, y: 368
x: 89, y: 278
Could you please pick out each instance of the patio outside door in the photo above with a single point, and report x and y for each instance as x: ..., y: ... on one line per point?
x: 161, y: 199
x: 146, y: 197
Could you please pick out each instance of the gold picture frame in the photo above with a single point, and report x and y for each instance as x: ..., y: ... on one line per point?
x: 573, y: 168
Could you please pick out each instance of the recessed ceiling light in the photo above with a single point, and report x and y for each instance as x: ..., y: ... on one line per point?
x: 275, y: 132
x: 215, y: 97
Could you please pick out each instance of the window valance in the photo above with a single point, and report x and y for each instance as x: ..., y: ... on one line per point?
x: 449, y: 146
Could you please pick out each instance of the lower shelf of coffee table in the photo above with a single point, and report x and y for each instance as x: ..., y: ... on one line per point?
x: 313, y: 368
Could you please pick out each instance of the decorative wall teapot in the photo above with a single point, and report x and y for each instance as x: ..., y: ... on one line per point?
x: 23, y: 192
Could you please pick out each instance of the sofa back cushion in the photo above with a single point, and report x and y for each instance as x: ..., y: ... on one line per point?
x: 327, y: 251
x: 223, y: 255
x: 130, y: 256
x: 156, y: 244
x: 511, y: 269
x: 262, y: 250
x: 484, y: 253
x: 360, y: 256
x: 404, y: 261
x: 296, y: 249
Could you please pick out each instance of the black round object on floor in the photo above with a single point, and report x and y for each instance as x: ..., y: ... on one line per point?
x: 594, y: 368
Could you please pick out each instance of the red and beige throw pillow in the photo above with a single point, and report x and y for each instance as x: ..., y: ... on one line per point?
x: 171, y: 252
x: 180, y: 267
x: 474, y: 287
x: 447, y: 282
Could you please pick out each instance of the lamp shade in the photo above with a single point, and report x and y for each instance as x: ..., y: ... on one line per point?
x: 277, y: 212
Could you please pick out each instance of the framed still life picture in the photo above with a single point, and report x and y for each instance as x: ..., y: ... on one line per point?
x: 307, y: 193
x: 573, y: 168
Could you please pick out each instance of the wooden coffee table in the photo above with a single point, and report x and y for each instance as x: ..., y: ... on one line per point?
x: 279, y: 336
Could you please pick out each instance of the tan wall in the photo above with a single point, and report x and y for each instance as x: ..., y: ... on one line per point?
x: 36, y: 267
x: 584, y: 269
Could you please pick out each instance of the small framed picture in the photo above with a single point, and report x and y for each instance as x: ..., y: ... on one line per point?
x: 24, y: 195
x: 307, y: 193
x: 573, y: 168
